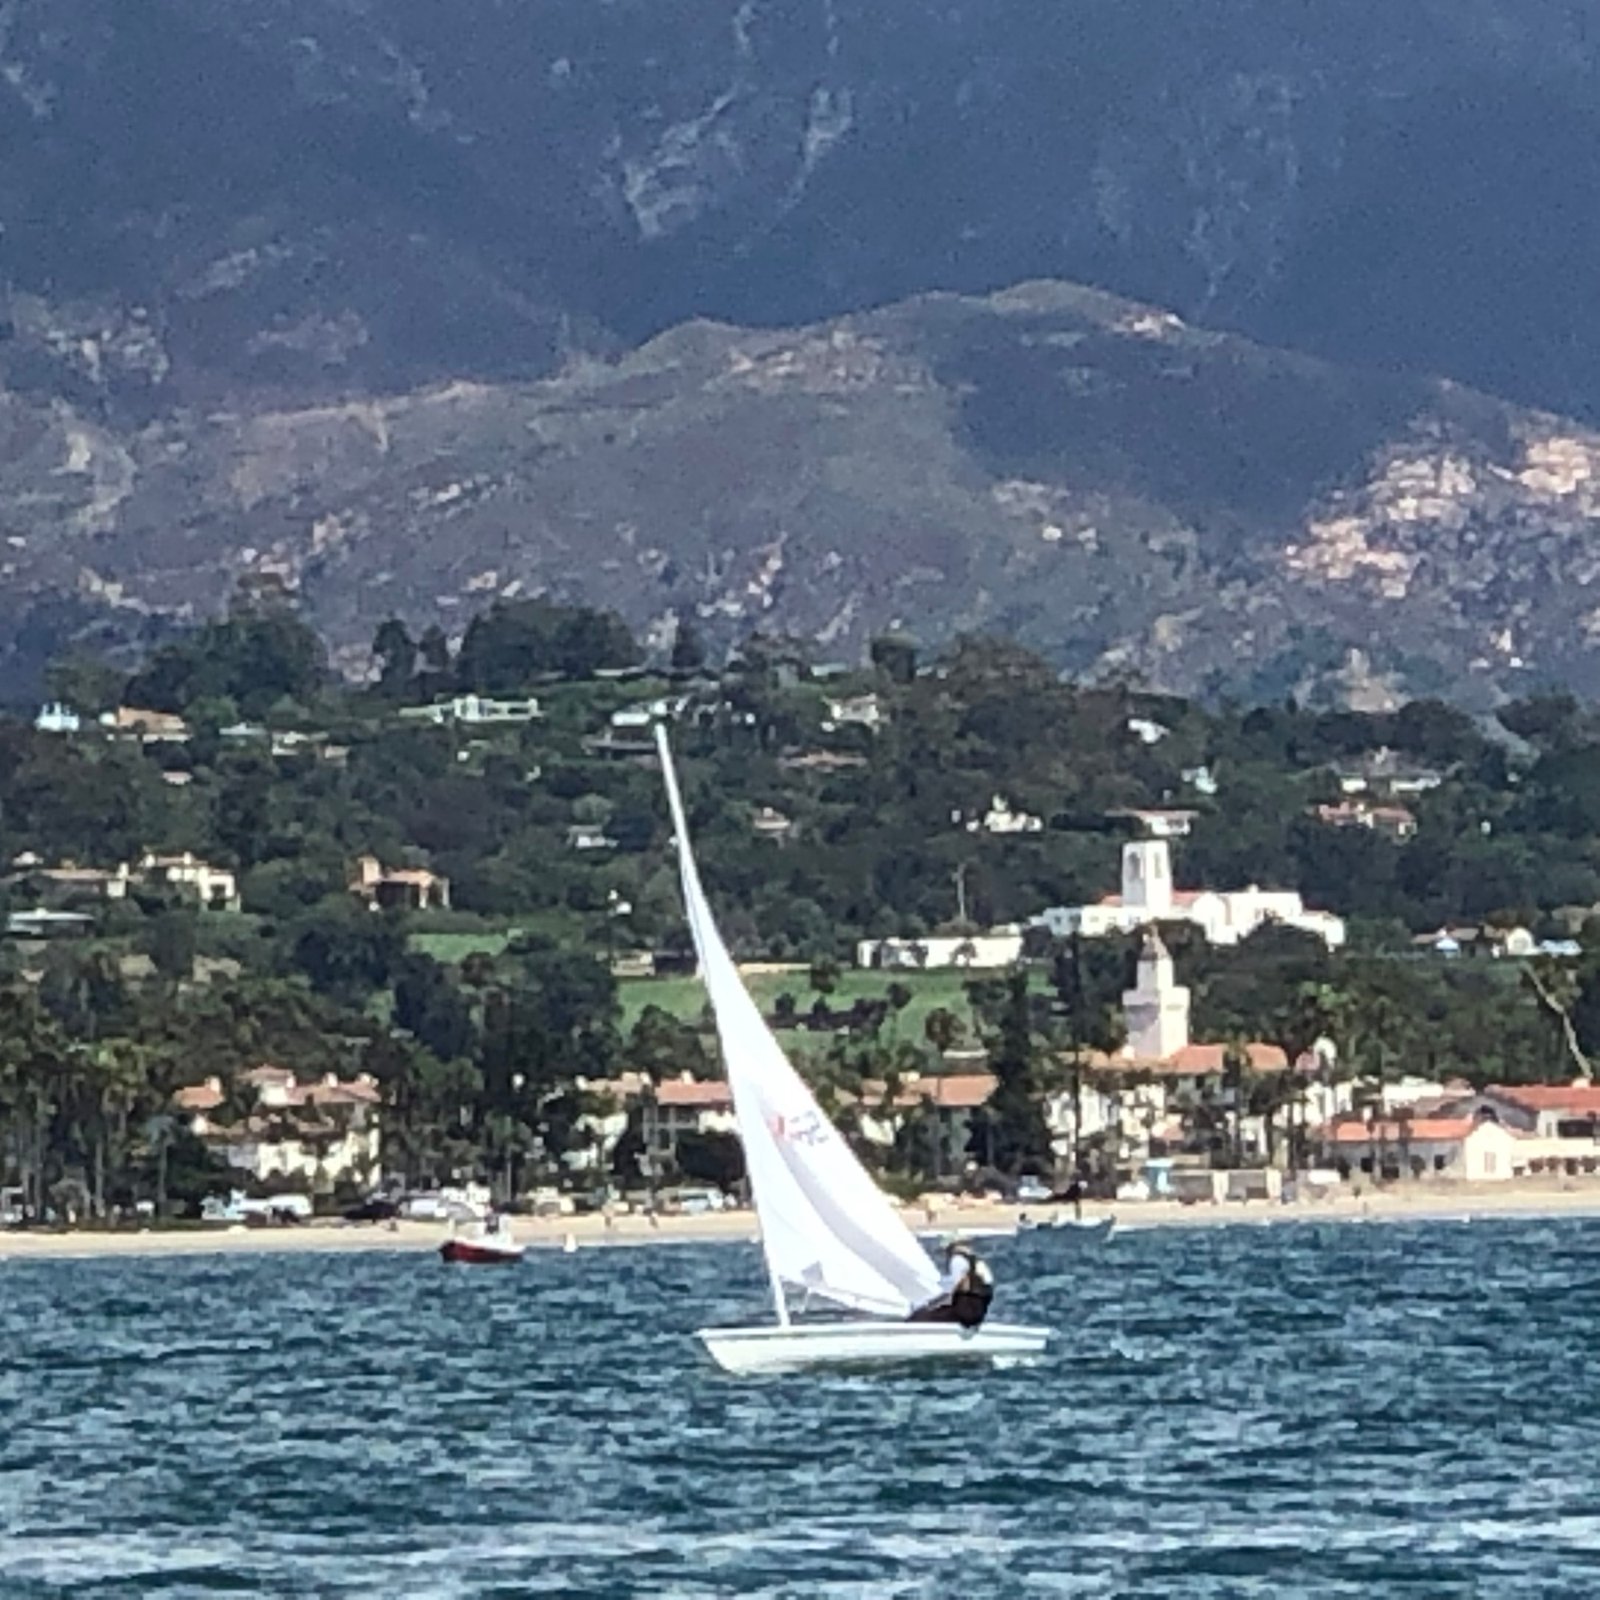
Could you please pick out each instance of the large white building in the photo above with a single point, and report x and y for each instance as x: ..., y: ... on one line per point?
x: 1224, y: 916
x: 999, y: 947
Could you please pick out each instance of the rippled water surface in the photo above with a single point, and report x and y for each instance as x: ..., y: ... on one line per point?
x: 1309, y: 1410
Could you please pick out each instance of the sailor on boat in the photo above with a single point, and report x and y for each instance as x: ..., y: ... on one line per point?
x: 964, y: 1292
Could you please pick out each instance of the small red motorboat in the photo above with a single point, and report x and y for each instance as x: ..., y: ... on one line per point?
x: 486, y: 1246
x: 481, y: 1252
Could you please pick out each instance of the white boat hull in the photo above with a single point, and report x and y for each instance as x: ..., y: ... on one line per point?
x: 801, y: 1345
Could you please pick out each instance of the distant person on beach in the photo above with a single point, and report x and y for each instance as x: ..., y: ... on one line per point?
x: 964, y: 1292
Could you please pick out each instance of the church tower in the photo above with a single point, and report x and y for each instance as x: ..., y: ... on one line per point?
x: 1147, y: 877
x: 1156, y: 1009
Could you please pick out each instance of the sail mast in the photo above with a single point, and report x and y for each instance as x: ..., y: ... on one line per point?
x: 826, y: 1227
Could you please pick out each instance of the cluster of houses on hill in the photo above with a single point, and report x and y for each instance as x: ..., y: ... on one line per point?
x: 63, y: 893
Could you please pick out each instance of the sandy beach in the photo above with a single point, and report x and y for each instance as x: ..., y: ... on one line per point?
x: 1414, y: 1203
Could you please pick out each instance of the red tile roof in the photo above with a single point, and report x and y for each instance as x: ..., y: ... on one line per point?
x: 1180, y: 897
x: 713, y: 1096
x: 1579, y: 1100
x: 1435, y: 1129
x: 953, y: 1091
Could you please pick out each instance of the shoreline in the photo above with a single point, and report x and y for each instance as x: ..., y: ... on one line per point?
x: 1424, y: 1203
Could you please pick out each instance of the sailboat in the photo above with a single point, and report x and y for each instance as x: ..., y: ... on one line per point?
x: 827, y: 1230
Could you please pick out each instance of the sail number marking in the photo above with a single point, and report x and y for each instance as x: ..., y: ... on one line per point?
x: 807, y: 1127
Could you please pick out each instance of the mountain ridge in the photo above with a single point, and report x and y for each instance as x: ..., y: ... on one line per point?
x: 1085, y: 473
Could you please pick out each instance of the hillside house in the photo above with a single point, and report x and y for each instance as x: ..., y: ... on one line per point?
x: 45, y: 924
x: 1475, y: 940
x: 1391, y: 821
x: 1386, y: 772
x: 211, y: 888
x: 1158, y: 822
x: 1000, y: 819
x: 855, y: 711
x: 68, y: 883
x: 57, y: 717
x: 402, y: 888
x: 148, y: 727
x: 769, y: 823
x: 474, y: 710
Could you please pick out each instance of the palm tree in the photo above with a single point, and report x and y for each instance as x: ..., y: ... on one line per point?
x: 157, y: 1133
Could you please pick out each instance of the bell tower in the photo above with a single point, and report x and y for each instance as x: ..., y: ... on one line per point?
x: 1147, y: 877
x: 1156, y: 1009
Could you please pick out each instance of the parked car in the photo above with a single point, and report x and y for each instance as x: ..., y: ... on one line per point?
x: 375, y: 1208
x: 1033, y: 1191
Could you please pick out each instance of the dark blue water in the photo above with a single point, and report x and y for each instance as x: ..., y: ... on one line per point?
x: 1314, y: 1410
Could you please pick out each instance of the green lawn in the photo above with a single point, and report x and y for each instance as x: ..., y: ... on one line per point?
x: 685, y: 998
x: 456, y: 947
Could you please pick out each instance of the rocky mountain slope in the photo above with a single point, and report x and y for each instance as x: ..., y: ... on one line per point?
x: 274, y: 277
x: 1082, y: 472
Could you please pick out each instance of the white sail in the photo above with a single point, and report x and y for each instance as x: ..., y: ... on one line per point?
x: 825, y: 1225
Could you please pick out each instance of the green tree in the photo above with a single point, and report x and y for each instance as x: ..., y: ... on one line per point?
x: 396, y: 654
x: 688, y: 649
x: 344, y: 949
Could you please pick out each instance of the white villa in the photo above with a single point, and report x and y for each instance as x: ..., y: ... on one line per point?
x: 1225, y: 916
x: 215, y: 888
x: 475, y: 710
x: 1000, y: 819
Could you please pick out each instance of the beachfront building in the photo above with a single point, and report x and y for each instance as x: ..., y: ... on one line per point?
x: 937, y: 1111
x: 1163, y: 1091
x: 322, y: 1133
x: 677, y: 1106
x: 1557, y: 1125
x: 1466, y: 1149
x: 1224, y: 916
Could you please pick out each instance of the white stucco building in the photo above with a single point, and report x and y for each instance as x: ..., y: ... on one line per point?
x: 1224, y: 916
x: 999, y: 947
x: 1438, y: 1147
x: 1138, y: 1097
x: 321, y: 1133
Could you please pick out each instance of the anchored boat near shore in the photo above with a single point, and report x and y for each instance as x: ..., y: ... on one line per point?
x: 487, y: 1244
x: 827, y: 1230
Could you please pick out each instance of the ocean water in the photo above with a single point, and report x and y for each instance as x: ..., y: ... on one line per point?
x: 1300, y: 1411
